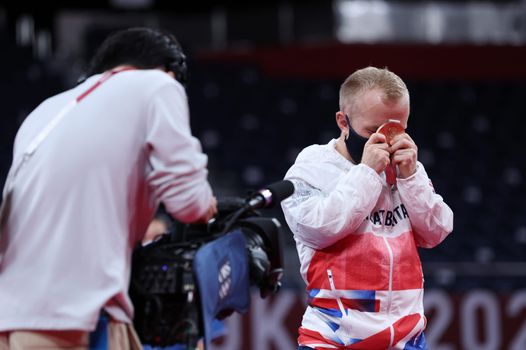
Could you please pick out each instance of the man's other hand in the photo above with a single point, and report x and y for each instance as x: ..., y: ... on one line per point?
x: 376, y: 153
x: 404, y: 154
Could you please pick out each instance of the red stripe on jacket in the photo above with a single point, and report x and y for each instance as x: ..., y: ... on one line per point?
x: 361, y: 262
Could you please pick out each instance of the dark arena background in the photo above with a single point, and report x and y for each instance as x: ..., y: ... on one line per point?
x: 264, y: 80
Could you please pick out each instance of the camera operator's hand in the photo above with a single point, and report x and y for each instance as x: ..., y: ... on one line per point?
x: 212, y: 210
x: 376, y: 153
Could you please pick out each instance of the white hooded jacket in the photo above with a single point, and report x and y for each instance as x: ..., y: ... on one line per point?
x: 357, y: 240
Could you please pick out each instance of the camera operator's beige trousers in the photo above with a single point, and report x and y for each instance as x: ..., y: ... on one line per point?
x: 121, y: 336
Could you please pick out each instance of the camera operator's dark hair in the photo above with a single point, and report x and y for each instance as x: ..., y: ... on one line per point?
x: 142, y: 48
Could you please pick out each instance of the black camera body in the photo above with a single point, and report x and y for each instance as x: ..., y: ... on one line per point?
x: 163, y: 284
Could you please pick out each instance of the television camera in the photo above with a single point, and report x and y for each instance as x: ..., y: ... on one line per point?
x: 187, y: 278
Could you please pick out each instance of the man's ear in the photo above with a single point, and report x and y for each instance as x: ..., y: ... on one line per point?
x: 341, y: 121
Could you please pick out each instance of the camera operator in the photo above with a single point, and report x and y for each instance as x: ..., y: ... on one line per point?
x: 90, y: 166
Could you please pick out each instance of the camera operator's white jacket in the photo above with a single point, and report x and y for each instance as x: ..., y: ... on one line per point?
x: 357, y: 240
x: 87, y: 195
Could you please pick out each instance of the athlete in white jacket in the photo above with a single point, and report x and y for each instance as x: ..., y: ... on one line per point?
x: 356, y: 234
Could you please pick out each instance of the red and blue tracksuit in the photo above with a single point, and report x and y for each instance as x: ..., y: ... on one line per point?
x: 357, y: 240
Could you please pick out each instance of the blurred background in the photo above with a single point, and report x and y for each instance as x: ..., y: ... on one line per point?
x: 264, y: 80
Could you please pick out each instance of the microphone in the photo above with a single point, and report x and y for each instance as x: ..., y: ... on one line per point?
x: 264, y: 198
x: 268, y: 197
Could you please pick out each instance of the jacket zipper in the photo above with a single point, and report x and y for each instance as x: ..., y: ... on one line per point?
x: 390, y: 291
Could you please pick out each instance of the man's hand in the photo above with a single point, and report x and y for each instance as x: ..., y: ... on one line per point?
x: 404, y: 154
x: 212, y: 210
x: 376, y: 153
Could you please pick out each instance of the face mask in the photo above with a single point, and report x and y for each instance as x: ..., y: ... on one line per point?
x: 355, y: 143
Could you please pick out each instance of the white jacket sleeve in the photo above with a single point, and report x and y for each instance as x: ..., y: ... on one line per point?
x: 431, y: 218
x: 321, y: 219
x: 179, y: 175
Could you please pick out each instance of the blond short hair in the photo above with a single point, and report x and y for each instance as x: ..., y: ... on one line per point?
x: 368, y: 79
